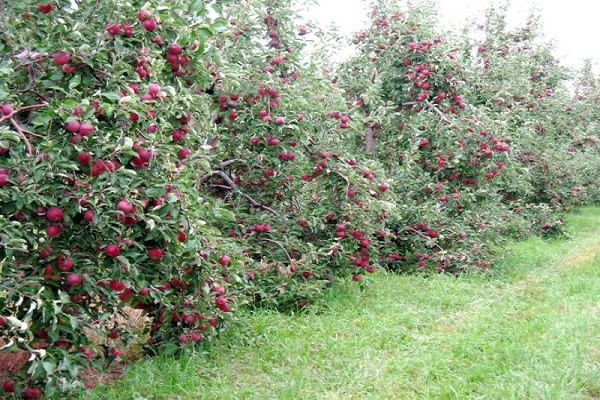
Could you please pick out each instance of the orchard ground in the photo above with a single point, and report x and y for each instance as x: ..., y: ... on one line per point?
x: 531, y: 331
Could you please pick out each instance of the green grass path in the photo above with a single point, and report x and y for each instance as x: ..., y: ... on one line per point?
x: 530, y: 332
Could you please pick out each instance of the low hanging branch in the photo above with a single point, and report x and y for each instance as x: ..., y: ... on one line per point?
x: 233, y: 187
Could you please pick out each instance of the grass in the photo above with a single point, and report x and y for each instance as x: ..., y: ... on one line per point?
x: 532, y: 331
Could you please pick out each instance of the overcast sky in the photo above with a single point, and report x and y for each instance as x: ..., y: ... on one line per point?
x: 571, y: 24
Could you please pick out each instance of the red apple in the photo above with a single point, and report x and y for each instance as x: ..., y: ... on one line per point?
x: 74, y: 279
x: 150, y: 24
x: 88, y: 215
x: 6, y: 109
x: 61, y: 58
x: 143, y: 15
x: 177, y: 135
x: 175, y: 49
x: 85, y: 129
x: 4, y: 179
x: 125, y: 206
x: 8, y: 386
x: 221, y: 301
x: 65, y: 263
x: 273, y: 141
x: 224, y: 260
x: 127, y: 29
x: 73, y: 126
x: 31, y: 393
x: 53, y: 230
x: 183, y: 153
x: 112, y: 250
x: 116, y: 285
x: 84, y: 158
x: 113, y: 28
x: 153, y: 89
x: 155, y: 253
x: 68, y: 69
x: 44, y: 8
x: 54, y: 214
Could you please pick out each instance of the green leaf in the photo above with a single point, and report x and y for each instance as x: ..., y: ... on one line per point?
x: 219, y: 25
x: 227, y: 215
x: 111, y: 96
x: 74, y: 82
x: 205, y: 165
x: 154, y: 192
x: 9, y: 135
x: 198, y: 7
x: 49, y: 367
x: 41, y: 120
x: 74, y: 322
x: 123, y: 261
x: 204, y: 32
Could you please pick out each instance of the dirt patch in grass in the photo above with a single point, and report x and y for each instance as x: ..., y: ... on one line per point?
x: 582, y: 257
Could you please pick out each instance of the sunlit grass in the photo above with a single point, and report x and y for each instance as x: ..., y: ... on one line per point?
x: 530, y: 332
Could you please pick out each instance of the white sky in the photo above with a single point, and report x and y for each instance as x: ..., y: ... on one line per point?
x: 571, y: 24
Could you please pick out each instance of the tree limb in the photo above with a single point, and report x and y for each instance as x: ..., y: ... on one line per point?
x: 22, y: 132
x: 229, y: 162
x: 441, y: 114
x: 370, y: 138
x: 413, y: 230
x: 280, y: 245
x: 18, y: 110
x: 234, y: 187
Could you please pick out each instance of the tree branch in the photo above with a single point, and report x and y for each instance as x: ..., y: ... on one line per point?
x: 22, y: 132
x: 345, y: 178
x: 370, y: 138
x: 308, y: 149
x: 18, y: 110
x: 413, y: 230
x: 280, y: 245
x: 233, y: 187
x: 441, y: 114
x: 233, y: 161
